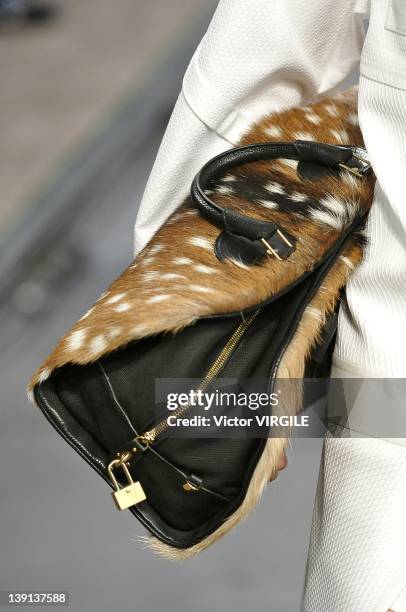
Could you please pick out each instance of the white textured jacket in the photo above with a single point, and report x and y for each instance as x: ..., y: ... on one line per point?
x: 264, y: 55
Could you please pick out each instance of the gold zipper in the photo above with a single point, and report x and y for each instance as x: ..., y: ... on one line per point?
x: 150, y: 436
x: 132, y: 493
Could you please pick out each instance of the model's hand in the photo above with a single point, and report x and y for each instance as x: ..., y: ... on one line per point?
x: 282, y: 463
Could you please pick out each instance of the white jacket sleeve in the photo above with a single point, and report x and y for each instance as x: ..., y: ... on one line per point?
x: 256, y: 57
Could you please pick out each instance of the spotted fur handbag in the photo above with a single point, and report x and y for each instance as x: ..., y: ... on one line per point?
x: 239, y: 282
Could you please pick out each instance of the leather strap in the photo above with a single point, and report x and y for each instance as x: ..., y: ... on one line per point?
x: 261, y: 238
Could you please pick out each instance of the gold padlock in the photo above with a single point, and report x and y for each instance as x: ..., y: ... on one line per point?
x: 127, y: 496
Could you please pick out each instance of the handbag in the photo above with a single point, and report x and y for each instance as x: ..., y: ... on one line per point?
x: 243, y: 281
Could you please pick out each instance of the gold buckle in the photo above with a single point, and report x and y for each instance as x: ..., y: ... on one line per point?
x: 270, y: 250
x: 356, y: 171
x: 352, y: 170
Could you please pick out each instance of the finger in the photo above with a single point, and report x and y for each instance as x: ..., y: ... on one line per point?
x: 282, y: 463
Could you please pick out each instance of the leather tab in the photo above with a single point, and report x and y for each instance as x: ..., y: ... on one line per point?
x: 235, y: 223
x: 310, y: 171
x: 240, y: 249
x: 250, y: 240
x: 333, y: 158
x: 322, y: 153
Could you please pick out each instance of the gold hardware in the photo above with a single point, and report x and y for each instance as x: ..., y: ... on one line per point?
x: 270, y: 250
x: 361, y: 155
x: 189, y: 486
x: 284, y: 238
x: 150, y: 436
x: 124, y: 457
x: 352, y: 170
x: 129, y: 495
x: 364, y: 160
x: 144, y: 440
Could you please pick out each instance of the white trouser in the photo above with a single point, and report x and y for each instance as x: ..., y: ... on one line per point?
x: 357, y: 554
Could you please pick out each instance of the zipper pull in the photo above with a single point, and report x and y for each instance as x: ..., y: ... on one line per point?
x: 141, y: 443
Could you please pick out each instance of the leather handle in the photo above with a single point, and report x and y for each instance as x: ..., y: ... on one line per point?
x: 331, y: 156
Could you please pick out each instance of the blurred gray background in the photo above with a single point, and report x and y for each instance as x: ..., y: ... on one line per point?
x: 84, y: 99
